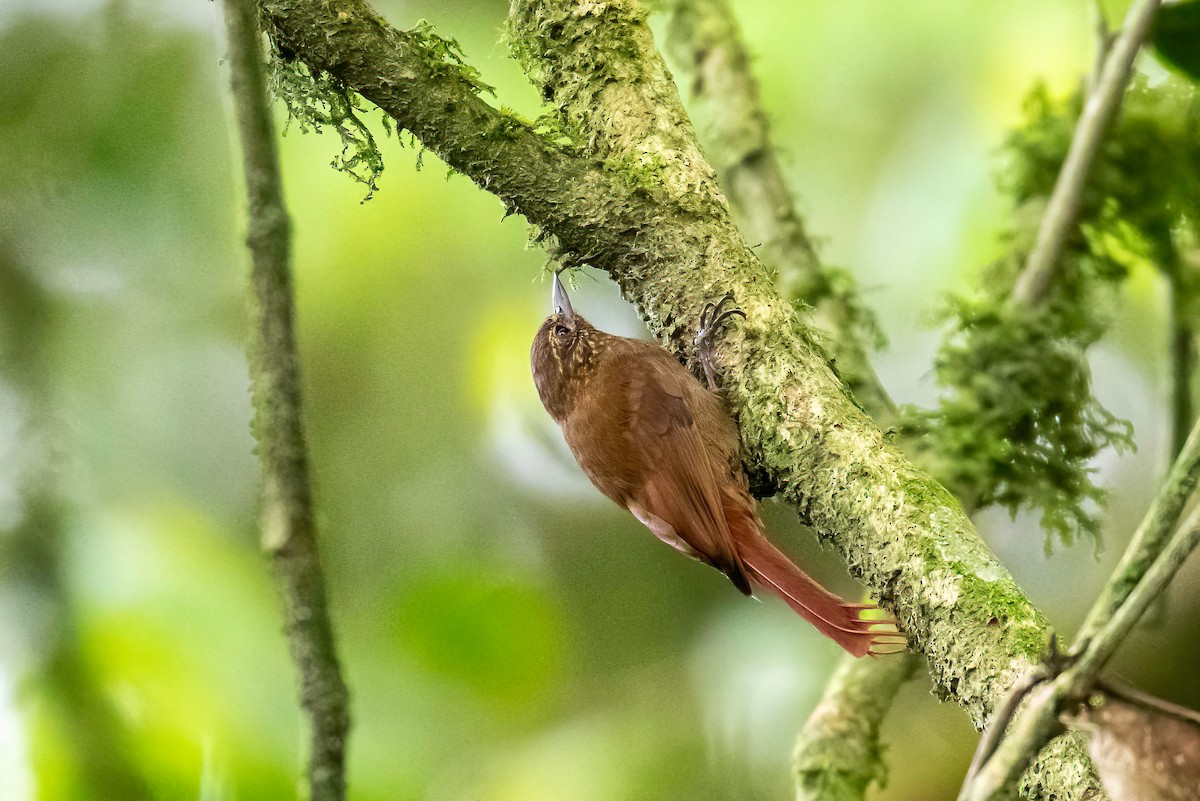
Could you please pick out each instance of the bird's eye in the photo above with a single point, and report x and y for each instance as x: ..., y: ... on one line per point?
x: 561, y: 330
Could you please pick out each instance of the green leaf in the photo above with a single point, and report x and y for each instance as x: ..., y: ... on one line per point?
x: 1176, y: 37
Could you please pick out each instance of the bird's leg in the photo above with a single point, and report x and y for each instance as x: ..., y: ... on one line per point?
x: 714, y: 316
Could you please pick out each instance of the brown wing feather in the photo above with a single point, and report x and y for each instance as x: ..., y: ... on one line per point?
x: 680, y: 486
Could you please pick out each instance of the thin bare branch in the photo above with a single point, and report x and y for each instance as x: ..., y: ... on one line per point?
x: 1151, y: 561
x: 1149, y: 539
x: 1104, y: 40
x: 1103, y: 102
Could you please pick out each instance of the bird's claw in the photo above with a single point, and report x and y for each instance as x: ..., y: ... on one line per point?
x: 714, y: 316
x: 712, y: 319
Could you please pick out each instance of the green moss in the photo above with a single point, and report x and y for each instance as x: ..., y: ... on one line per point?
x: 317, y: 100
x: 1018, y: 425
x: 550, y: 127
x: 445, y: 58
x: 839, y: 285
x: 1006, y: 604
x: 638, y: 172
x: 508, y: 126
x: 610, y: 96
x: 572, y: 53
x: 922, y: 491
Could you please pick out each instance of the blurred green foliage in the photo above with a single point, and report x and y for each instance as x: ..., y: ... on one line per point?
x: 506, y: 633
x: 1174, y: 36
x: 1018, y: 424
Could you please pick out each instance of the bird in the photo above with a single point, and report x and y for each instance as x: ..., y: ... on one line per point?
x: 658, y: 442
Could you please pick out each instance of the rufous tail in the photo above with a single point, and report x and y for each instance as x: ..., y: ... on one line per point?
x: 842, y: 622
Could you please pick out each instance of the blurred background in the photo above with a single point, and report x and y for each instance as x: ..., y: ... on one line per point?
x: 506, y: 632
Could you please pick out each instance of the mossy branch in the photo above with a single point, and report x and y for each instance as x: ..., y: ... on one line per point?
x: 838, y: 753
x: 636, y: 198
x: 707, y: 45
x: 289, y: 532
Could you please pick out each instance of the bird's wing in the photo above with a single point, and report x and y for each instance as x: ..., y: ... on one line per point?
x: 680, y: 486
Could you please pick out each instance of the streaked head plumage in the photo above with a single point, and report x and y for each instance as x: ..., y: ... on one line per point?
x: 562, y: 351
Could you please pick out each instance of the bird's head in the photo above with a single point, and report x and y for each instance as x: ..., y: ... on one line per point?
x: 562, y: 352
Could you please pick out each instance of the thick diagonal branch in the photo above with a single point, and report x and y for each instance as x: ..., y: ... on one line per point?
x: 639, y: 205
x: 289, y: 532
x: 838, y: 752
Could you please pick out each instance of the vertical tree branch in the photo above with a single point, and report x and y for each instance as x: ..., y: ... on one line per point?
x: 288, y: 530
x: 1101, y: 107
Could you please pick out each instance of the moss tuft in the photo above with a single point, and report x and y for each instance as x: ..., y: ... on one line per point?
x: 1018, y: 425
x: 445, y: 58
x: 316, y: 101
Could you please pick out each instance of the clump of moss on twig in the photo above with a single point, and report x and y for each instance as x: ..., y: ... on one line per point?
x: 445, y: 57
x: 317, y: 100
x: 1018, y: 425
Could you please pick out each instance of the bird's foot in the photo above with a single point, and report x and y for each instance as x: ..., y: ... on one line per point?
x: 712, y: 319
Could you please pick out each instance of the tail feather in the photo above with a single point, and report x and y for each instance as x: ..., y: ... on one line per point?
x: 842, y: 622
